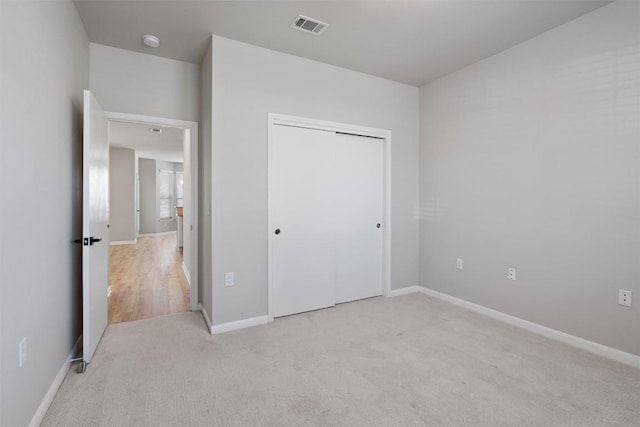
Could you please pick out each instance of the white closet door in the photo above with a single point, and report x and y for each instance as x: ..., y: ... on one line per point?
x: 358, y: 210
x: 301, y: 206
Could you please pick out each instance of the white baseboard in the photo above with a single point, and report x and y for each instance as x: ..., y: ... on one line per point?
x: 572, y: 340
x: 403, y: 291
x: 205, y: 316
x: 239, y: 324
x: 186, y: 273
x: 124, y: 242
x: 37, y: 418
x: 164, y: 233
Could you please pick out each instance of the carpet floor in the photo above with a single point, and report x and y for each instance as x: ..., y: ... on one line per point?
x: 405, y: 361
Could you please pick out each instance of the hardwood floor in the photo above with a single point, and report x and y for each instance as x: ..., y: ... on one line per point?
x: 147, y: 280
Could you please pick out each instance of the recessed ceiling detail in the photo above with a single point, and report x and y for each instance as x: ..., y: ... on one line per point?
x: 309, y: 25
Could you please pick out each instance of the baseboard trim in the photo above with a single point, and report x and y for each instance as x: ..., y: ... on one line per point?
x: 554, y: 334
x: 205, y: 316
x: 123, y: 242
x: 37, y: 418
x: 164, y: 233
x: 186, y: 274
x: 403, y: 291
x: 239, y: 324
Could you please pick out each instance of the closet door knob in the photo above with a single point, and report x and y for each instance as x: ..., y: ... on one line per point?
x: 378, y: 225
x: 277, y: 231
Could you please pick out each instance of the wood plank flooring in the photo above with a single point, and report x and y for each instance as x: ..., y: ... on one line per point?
x: 147, y: 280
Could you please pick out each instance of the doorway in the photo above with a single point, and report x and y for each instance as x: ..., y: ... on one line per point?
x: 153, y: 217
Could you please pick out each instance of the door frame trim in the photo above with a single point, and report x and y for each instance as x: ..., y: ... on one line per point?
x: 275, y: 119
x: 193, y: 128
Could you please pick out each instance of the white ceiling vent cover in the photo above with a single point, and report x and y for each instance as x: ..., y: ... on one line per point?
x: 309, y: 25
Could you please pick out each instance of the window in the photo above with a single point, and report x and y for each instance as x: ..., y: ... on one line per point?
x: 165, y: 185
x: 179, y: 189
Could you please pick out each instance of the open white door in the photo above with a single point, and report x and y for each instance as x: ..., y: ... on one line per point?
x: 95, y: 227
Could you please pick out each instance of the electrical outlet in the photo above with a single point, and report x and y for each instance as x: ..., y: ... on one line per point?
x: 229, y: 279
x: 459, y: 263
x: 511, y: 274
x: 624, y: 297
x: 22, y: 352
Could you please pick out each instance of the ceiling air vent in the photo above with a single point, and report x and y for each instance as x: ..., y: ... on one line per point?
x: 309, y: 25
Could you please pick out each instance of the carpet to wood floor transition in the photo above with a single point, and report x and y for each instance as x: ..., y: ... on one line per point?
x: 405, y: 361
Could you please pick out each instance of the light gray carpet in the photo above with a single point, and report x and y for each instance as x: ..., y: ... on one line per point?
x: 405, y: 361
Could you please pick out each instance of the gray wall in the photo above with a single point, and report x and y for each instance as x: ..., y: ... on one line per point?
x: 150, y: 223
x: 122, y: 194
x: 248, y: 82
x: 135, y: 83
x: 530, y: 159
x: 41, y: 82
x: 204, y: 186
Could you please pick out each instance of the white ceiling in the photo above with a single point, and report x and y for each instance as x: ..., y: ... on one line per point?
x: 408, y: 41
x: 165, y: 146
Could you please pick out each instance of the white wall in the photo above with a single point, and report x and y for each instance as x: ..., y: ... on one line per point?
x: 122, y: 194
x: 44, y: 66
x: 249, y: 82
x: 204, y: 186
x: 531, y: 159
x: 135, y: 83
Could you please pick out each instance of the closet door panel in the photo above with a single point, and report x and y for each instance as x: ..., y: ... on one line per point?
x: 358, y: 169
x: 302, y: 200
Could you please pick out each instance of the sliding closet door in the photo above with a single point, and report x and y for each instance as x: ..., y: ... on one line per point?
x: 301, y: 219
x: 358, y: 213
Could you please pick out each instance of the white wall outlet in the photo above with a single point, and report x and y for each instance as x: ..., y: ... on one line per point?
x: 459, y: 263
x: 512, y: 274
x: 22, y: 352
x: 229, y: 279
x: 624, y: 297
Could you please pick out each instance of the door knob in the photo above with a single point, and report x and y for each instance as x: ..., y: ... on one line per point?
x: 93, y: 240
x: 378, y: 225
x: 277, y: 231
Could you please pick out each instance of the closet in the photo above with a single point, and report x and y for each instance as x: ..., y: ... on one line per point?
x: 325, y: 218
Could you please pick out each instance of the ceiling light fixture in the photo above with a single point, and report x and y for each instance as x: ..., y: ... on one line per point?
x: 151, y: 41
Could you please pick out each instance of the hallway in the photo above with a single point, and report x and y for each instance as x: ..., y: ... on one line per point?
x: 147, y: 280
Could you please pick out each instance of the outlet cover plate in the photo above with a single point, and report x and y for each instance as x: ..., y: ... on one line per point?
x: 229, y: 280
x: 624, y: 297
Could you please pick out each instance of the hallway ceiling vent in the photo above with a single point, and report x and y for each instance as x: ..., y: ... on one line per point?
x: 309, y: 25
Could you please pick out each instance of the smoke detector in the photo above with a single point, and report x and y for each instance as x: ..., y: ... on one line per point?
x: 151, y: 41
x: 308, y: 25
